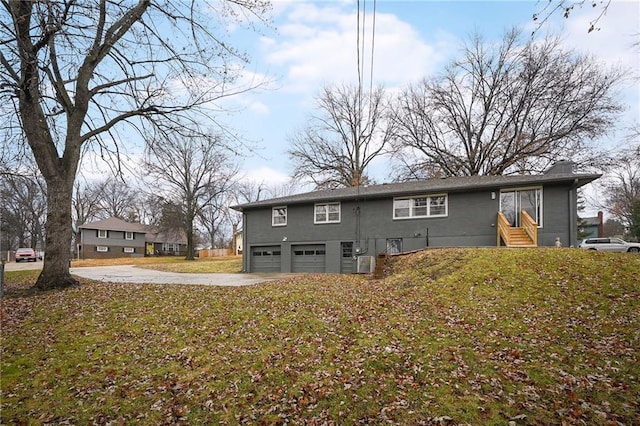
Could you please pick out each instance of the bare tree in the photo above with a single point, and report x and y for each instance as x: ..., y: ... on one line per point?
x: 348, y: 133
x: 77, y: 73
x: 191, y: 171
x: 23, y: 209
x: 514, y: 108
x: 85, y: 205
x: 213, y: 218
x: 566, y: 8
x: 118, y: 199
x: 622, y: 189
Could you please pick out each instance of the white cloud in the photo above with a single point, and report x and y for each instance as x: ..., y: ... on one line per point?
x: 94, y: 167
x: 317, y: 45
x: 259, y: 108
x: 268, y: 175
x: 613, y: 43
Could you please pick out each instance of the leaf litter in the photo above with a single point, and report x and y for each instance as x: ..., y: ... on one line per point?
x: 455, y: 336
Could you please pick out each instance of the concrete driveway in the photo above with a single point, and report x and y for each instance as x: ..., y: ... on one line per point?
x: 133, y: 274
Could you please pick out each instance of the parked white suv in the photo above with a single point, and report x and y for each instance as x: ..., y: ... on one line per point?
x: 609, y: 244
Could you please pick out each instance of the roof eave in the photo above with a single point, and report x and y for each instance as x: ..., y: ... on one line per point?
x: 579, y: 179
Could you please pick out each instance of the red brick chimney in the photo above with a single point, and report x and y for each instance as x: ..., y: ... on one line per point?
x: 600, y: 225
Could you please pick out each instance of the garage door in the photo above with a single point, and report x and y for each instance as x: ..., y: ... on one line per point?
x: 308, y: 258
x: 265, y: 259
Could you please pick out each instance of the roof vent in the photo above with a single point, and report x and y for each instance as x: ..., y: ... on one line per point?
x: 561, y: 167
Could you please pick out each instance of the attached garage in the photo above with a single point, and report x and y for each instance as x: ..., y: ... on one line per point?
x: 266, y: 259
x: 308, y: 258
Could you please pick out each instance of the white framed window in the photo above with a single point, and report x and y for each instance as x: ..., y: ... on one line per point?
x: 102, y: 233
x: 279, y: 216
x: 327, y: 213
x: 128, y: 250
x: 102, y: 248
x: 421, y: 206
x: 128, y: 235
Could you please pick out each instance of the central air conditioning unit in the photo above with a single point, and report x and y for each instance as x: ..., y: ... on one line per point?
x: 366, y: 264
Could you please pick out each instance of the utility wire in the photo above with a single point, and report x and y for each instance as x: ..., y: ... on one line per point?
x: 373, y: 43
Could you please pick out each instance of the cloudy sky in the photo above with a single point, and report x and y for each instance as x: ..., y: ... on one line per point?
x: 313, y: 43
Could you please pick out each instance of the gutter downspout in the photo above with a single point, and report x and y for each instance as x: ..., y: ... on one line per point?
x: 573, y: 214
x: 245, y: 243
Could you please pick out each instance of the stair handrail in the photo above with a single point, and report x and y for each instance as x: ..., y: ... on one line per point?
x: 503, y: 229
x: 530, y: 226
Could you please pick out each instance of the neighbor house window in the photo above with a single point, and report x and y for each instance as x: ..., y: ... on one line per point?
x: 279, y: 216
x: 327, y: 213
x: 421, y: 206
x: 128, y: 235
x: 102, y: 248
x: 128, y: 250
x: 170, y: 247
x: 102, y: 233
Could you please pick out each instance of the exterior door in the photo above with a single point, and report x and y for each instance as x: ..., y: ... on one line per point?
x: 513, y: 202
x: 346, y: 258
x: 508, y: 207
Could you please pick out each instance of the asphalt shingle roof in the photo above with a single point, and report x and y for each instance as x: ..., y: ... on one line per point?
x: 115, y: 224
x: 450, y: 184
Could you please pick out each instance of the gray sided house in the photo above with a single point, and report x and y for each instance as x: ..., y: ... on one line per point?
x: 343, y: 230
x: 113, y: 237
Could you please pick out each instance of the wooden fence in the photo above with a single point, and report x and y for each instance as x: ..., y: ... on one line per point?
x: 215, y: 252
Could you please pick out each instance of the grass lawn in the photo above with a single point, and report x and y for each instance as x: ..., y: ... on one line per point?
x: 456, y: 336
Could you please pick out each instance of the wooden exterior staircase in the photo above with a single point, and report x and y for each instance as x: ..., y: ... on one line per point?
x: 381, y: 264
x: 524, y: 236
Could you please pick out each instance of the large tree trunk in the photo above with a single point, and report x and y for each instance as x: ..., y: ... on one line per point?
x: 189, y: 230
x: 55, y: 271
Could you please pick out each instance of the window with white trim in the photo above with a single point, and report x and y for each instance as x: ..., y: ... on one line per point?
x: 327, y: 213
x: 170, y: 247
x: 128, y: 235
x: 102, y: 233
x: 279, y: 216
x: 102, y: 248
x: 420, y: 206
x: 128, y: 250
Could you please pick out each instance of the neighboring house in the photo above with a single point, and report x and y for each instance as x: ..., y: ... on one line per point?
x: 237, y: 240
x: 343, y: 230
x: 165, y: 242
x: 115, y: 237
x: 591, y: 227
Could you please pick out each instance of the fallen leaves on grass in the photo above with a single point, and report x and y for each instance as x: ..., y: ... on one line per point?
x: 454, y: 336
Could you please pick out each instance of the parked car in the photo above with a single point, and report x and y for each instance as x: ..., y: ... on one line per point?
x: 609, y: 244
x: 26, y: 254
